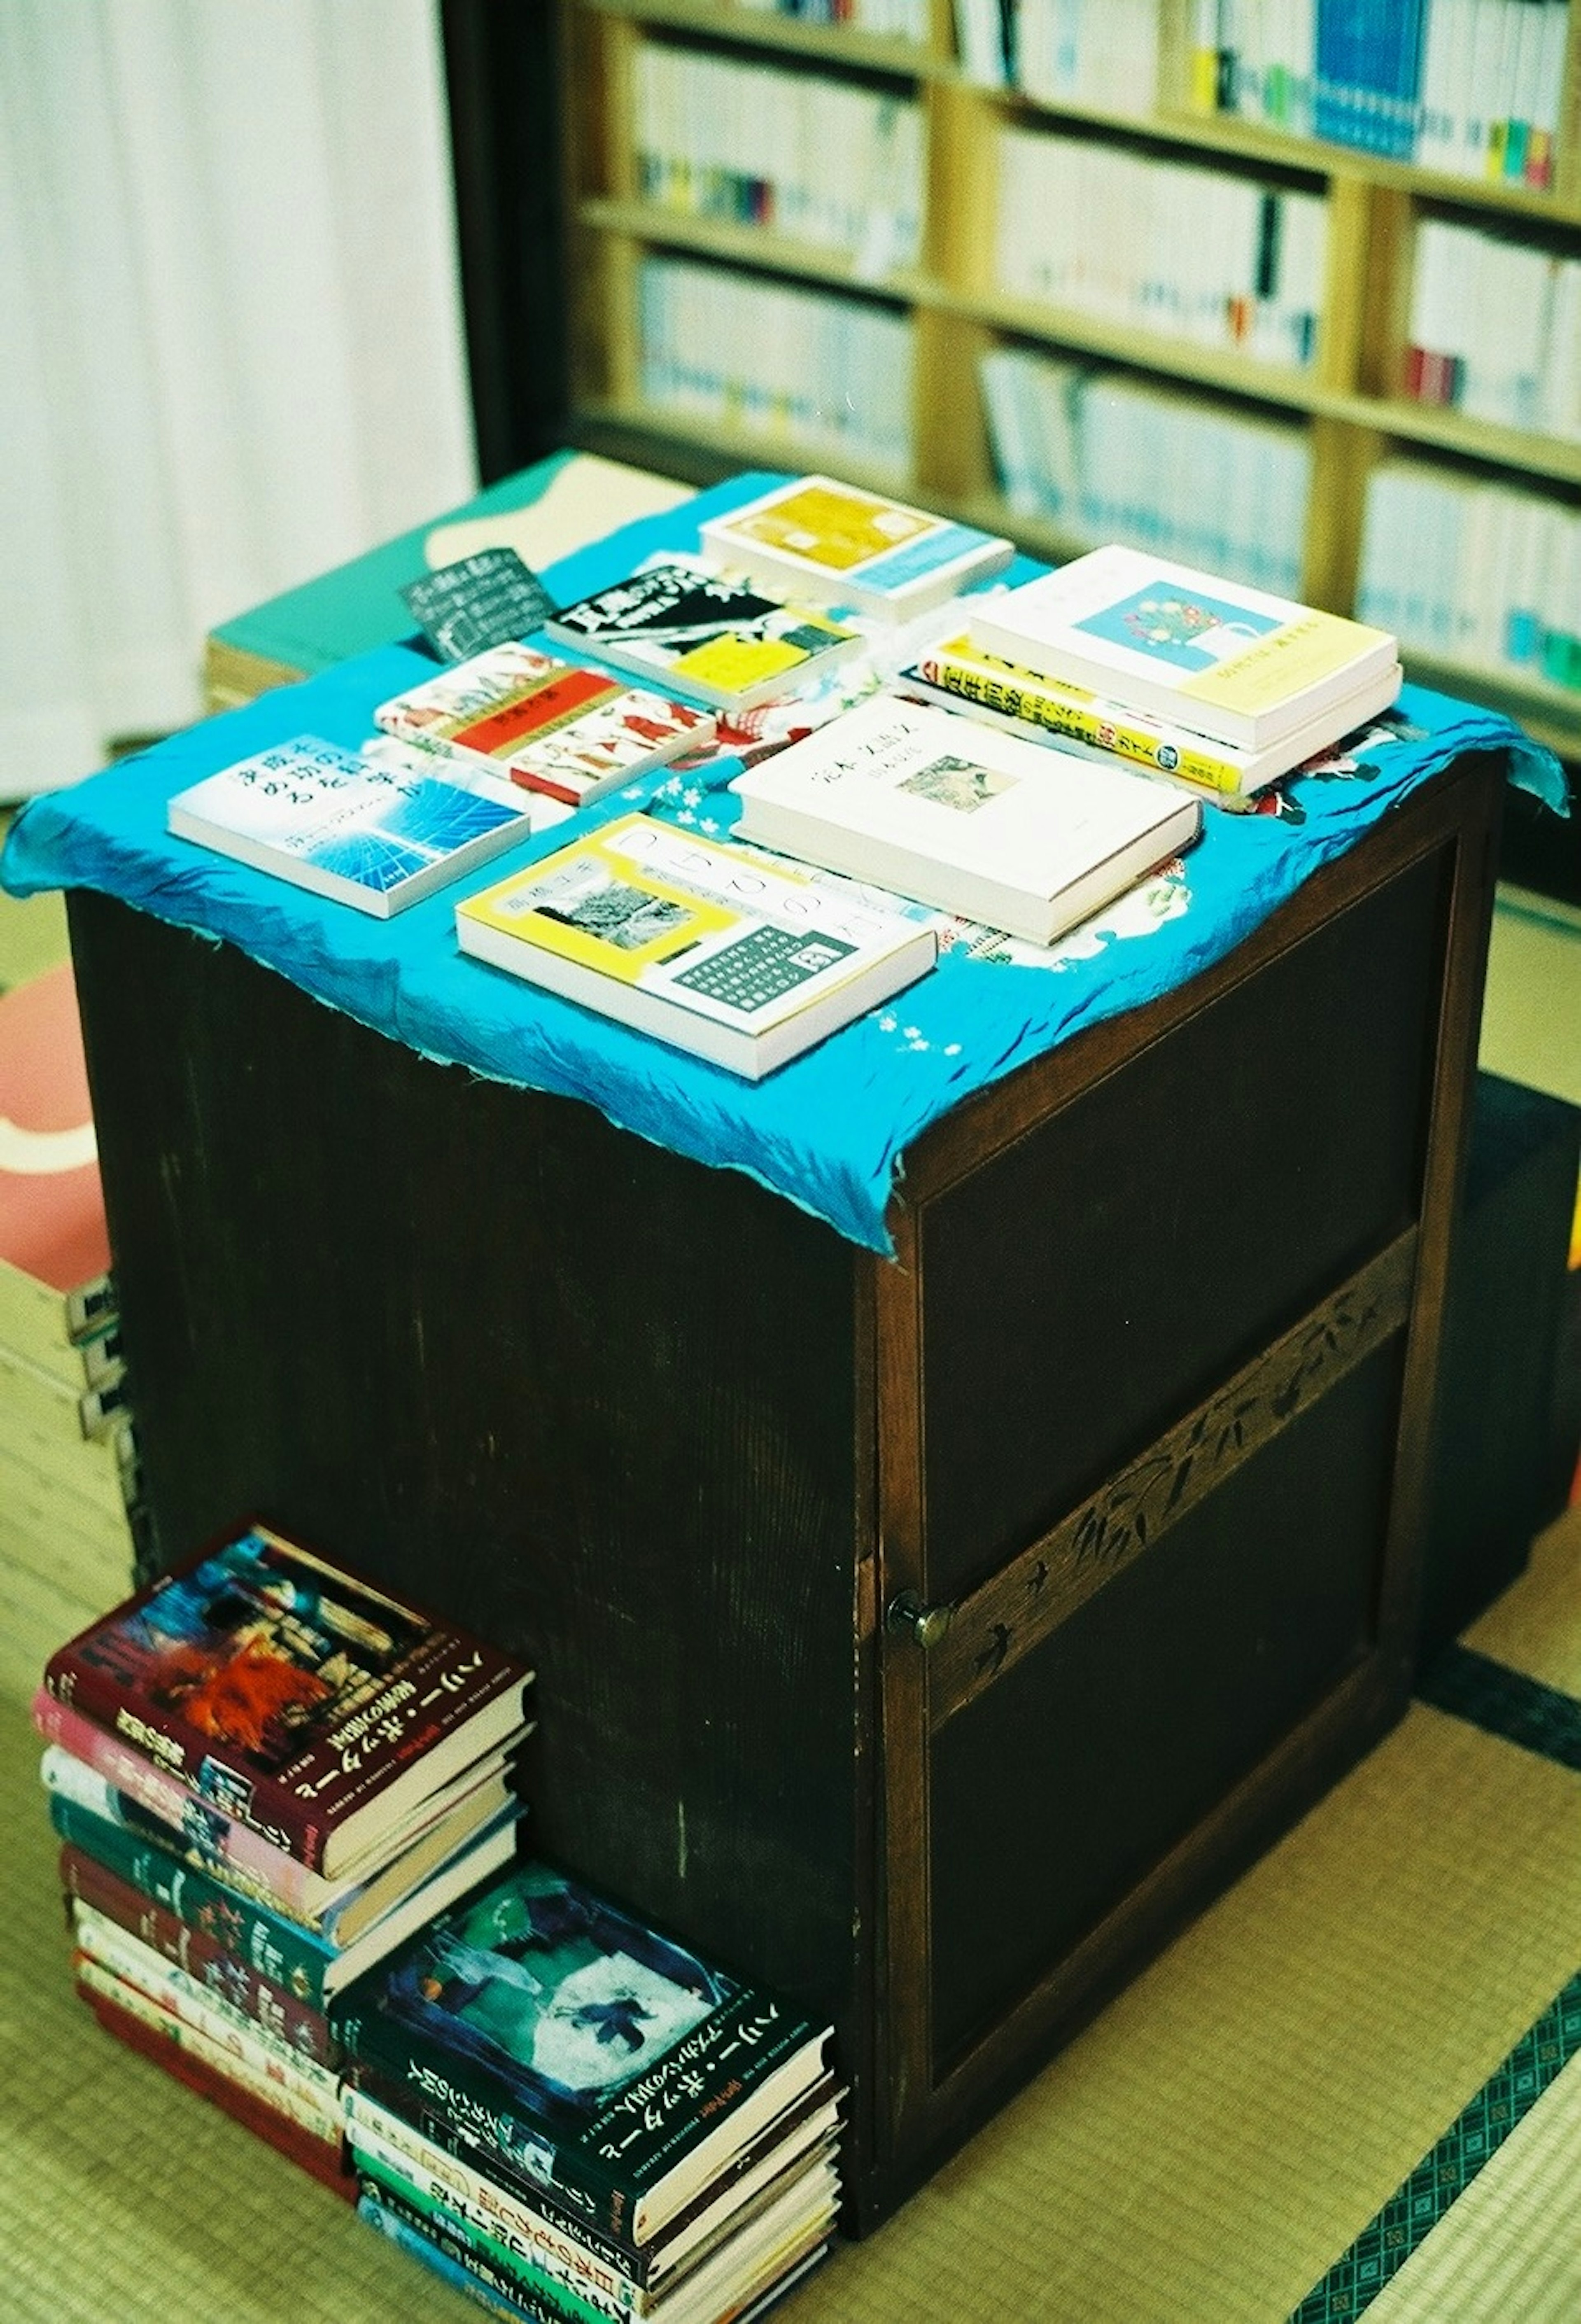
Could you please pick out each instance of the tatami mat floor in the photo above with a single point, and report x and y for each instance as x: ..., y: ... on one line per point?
x: 1205, y: 2154
x: 1379, y: 2017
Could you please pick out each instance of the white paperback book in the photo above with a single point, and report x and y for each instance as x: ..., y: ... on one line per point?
x: 973, y: 820
x: 379, y: 837
x: 1234, y: 663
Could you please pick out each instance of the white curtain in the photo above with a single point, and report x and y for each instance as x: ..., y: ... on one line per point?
x: 230, y: 337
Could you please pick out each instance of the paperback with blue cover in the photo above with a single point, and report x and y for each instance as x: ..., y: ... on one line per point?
x: 376, y: 834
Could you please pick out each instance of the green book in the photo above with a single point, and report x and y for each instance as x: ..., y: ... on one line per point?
x: 558, y: 503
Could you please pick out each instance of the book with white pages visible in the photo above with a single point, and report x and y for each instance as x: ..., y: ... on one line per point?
x: 1021, y: 836
x: 742, y: 960
x: 958, y: 673
x: 378, y: 837
x: 1230, y: 662
x: 819, y: 537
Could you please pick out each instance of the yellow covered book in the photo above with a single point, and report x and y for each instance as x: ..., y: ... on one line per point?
x: 738, y: 957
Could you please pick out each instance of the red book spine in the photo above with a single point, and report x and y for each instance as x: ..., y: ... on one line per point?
x: 295, y: 2022
x: 325, y: 2162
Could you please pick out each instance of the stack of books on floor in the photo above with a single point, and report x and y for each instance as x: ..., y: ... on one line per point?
x: 69, y: 1472
x: 265, y: 1774
x: 570, y: 2116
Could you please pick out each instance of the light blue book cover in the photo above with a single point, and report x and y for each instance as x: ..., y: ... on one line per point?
x: 374, y: 834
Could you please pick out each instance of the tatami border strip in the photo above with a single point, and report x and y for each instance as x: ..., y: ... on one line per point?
x: 1411, y: 2213
x: 1506, y: 1703
x: 1540, y: 1718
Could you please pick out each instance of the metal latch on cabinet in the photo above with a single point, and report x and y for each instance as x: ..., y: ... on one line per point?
x: 926, y: 1624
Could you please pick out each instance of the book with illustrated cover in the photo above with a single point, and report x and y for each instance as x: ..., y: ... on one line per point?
x: 102, y: 1767
x: 378, y: 837
x: 552, y: 726
x: 294, y: 1696
x: 841, y: 546
x: 589, y: 2054
x: 1229, y: 662
x: 959, y: 674
x: 704, y: 632
x: 1019, y: 834
x: 704, y: 945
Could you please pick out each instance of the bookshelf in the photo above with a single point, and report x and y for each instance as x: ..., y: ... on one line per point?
x: 704, y: 243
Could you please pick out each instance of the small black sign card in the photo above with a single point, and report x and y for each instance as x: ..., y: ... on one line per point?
x: 480, y: 601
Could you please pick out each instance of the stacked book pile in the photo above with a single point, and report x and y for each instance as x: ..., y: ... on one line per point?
x: 68, y: 1473
x: 1207, y: 681
x: 572, y: 2118
x: 264, y: 1775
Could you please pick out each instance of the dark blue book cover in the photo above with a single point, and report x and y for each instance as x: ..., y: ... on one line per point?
x: 589, y: 2054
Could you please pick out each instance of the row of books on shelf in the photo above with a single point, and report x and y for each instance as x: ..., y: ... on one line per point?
x: 1103, y: 455
x: 70, y: 1476
x: 1178, y: 248
x: 293, y: 1827
x: 1494, y: 329
x: 924, y: 761
x: 1470, y: 89
x: 825, y: 161
x: 1101, y: 53
x: 1475, y: 573
x: 828, y: 375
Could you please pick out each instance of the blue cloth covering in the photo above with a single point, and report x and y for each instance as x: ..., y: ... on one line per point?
x: 830, y: 1131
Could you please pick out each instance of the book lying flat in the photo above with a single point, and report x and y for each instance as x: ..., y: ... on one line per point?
x: 801, y: 2217
x: 105, y: 1766
x: 637, y: 2278
x: 115, y: 1950
x: 961, y: 675
x: 591, y: 2052
x: 288, y: 1955
x: 700, y: 631
x: 378, y: 837
x: 709, y: 947
x: 1227, y: 661
x: 159, y: 2041
x: 553, y: 726
x: 842, y: 546
x: 339, y: 1912
x: 295, y: 1697
x: 1019, y: 834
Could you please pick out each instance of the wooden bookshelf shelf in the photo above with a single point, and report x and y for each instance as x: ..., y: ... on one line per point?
x: 1347, y: 403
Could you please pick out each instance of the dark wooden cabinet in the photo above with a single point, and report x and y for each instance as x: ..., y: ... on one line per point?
x: 928, y: 1636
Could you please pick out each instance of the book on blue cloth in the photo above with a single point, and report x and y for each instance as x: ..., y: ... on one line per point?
x: 742, y: 958
x: 364, y: 832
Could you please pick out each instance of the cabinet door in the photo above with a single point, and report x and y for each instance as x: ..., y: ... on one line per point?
x: 1156, y: 1367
